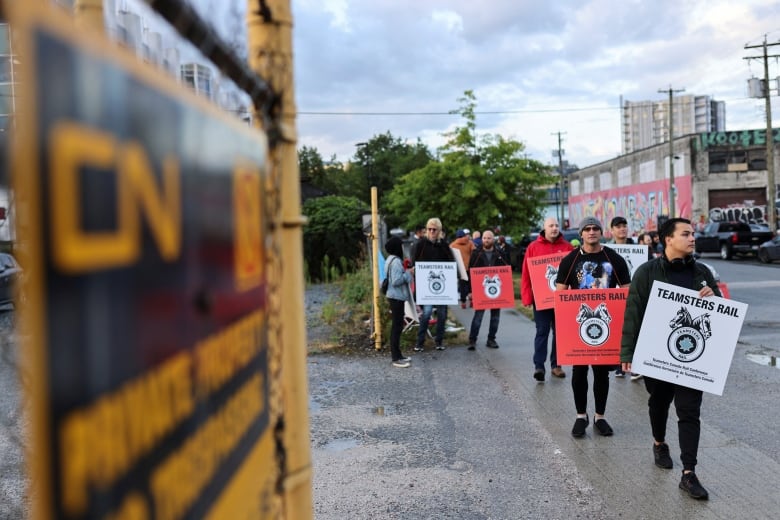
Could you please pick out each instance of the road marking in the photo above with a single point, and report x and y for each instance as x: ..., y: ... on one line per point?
x: 749, y: 285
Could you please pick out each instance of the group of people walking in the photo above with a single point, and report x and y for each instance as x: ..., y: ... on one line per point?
x: 589, y: 266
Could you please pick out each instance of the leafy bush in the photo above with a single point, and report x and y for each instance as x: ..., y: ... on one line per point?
x: 334, y: 231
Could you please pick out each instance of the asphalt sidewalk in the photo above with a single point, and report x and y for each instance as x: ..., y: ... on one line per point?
x: 742, y: 481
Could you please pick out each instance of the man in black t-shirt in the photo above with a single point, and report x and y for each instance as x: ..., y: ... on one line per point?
x: 591, y: 266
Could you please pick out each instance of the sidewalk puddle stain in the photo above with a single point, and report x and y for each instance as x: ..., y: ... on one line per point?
x: 340, y: 445
x: 763, y: 360
x: 384, y: 410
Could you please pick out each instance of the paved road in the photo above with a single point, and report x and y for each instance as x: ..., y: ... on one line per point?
x: 472, y: 435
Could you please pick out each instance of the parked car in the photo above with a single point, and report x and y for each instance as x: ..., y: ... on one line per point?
x: 759, y: 227
x: 9, y: 275
x: 730, y: 238
x: 769, y: 251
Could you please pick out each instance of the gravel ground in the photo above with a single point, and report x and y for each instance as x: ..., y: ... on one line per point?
x: 446, y: 438
x: 12, y: 470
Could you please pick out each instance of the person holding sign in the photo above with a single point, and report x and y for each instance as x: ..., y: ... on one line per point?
x: 486, y: 256
x: 463, y: 244
x: 550, y: 241
x: 619, y: 229
x: 675, y: 266
x: 592, y: 266
x: 432, y: 248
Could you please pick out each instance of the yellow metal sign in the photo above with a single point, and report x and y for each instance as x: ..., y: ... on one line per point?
x: 142, y: 235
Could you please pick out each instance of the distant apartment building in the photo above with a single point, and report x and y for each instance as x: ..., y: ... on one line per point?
x: 646, y: 123
x: 135, y: 25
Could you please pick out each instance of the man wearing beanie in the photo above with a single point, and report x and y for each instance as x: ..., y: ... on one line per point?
x: 592, y: 266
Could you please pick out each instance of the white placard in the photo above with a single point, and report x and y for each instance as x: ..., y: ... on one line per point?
x: 634, y: 254
x: 436, y: 283
x: 688, y: 340
x: 464, y: 275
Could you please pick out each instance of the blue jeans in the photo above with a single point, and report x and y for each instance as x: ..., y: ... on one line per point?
x: 441, y: 321
x: 476, y: 323
x: 545, y: 321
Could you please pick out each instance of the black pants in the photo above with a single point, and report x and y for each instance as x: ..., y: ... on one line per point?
x: 687, y: 403
x: 579, y: 385
x: 397, y: 309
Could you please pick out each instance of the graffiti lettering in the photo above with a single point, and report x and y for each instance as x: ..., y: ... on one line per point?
x: 742, y: 138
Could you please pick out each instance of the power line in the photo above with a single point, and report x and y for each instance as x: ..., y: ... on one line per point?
x: 496, y: 112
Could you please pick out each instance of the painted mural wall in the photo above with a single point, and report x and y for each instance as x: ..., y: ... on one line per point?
x: 641, y: 204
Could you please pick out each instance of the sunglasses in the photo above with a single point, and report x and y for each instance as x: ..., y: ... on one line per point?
x: 591, y: 228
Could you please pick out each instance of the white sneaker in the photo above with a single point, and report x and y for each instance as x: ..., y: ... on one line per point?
x: 635, y: 377
x: 406, y: 359
x: 401, y: 364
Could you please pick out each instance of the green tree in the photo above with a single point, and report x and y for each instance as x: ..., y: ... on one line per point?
x: 381, y: 161
x: 480, y: 182
x: 335, y: 230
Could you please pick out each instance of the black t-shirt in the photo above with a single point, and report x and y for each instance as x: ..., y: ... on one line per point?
x: 603, y: 270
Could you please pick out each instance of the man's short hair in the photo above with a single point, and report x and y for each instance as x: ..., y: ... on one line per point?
x: 668, y: 227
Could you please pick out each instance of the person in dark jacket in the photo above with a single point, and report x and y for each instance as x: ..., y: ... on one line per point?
x: 486, y: 256
x: 432, y: 248
x: 676, y: 266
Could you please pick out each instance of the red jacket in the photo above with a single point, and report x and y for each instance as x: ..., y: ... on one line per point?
x: 539, y: 247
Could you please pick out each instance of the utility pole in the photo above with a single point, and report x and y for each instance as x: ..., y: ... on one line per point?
x: 671, y: 146
x: 560, y: 180
x: 771, y: 211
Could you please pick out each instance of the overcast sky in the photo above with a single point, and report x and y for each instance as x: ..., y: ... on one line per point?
x: 536, y: 67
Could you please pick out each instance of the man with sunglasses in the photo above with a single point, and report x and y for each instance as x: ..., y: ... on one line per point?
x: 432, y: 248
x: 591, y: 266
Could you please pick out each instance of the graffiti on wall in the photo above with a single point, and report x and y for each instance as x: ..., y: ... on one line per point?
x: 641, y: 205
x: 744, y: 138
x: 741, y: 213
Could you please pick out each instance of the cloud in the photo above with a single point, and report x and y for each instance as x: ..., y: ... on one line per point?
x: 536, y: 67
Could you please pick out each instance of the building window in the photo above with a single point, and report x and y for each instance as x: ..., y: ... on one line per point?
x: 718, y: 162
x: 756, y: 160
x: 737, y: 160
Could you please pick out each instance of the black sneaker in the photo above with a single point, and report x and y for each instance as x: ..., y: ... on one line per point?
x: 579, y: 426
x: 603, y: 427
x: 405, y: 359
x: 439, y: 346
x: 661, y: 454
x: 491, y: 343
x: 693, y: 487
x: 539, y: 375
x: 472, y: 344
x: 418, y: 348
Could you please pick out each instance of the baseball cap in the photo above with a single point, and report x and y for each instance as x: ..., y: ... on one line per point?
x: 466, y: 231
x: 590, y: 221
x: 617, y: 221
x: 460, y: 233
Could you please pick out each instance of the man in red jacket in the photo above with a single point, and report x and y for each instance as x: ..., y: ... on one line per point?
x: 550, y: 241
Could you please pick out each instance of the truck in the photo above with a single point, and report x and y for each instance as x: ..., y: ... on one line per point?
x: 730, y: 238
